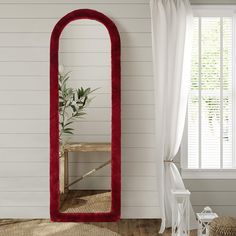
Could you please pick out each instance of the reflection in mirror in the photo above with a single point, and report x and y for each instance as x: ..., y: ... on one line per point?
x: 85, y: 118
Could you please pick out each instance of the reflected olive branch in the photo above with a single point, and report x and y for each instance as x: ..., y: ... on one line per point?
x: 72, y: 103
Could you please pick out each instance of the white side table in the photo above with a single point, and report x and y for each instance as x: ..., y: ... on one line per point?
x: 180, y: 212
x: 204, y: 219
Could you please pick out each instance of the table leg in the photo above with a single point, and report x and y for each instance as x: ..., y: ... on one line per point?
x: 66, y: 172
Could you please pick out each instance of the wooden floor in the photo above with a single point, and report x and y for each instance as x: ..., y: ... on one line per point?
x: 133, y: 227
x: 136, y: 227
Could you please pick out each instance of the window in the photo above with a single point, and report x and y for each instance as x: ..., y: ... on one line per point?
x: 209, y: 134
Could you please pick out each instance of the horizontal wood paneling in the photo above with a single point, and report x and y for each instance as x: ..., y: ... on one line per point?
x: 24, y: 54
x: 41, y: 184
x: 24, y: 112
x: 26, y: 212
x: 128, y: 169
x: 139, y: 169
x: 24, y: 40
x: 42, y: 40
x: 24, y: 140
x: 24, y: 126
x: 139, y: 183
x: 24, y: 199
x: 129, y: 184
x: 37, y: 169
x: 24, y: 84
x: 138, y: 140
x: 21, y: 155
x: 23, y: 169
x: 13, y: 84
x: 130, y: 198
x: 85, y: 59
x: 14, y: 154
x: 24, y: 184
x: 112, y: 1
x: 138, y: 126
x: 211, y: 185
x: 220, y: 210
x: 32, y: 112
x: 42, y: 212
x: 42, y: 69
x: 79, y: 169
x: 42, y: 98
x: 140, y: 199
x: 24, y: 68
x: 48, y: 10
x: 145, y: 112
x: 86, y: 157
x: 123, y: 2
x: 46, y: 25
x: 214, y: 198
x: 41, y: 83
x: 25, y: 30
x: 128, y: 140
x: 103, y: 58
x: 138, y: 154
x: 219, y: 194
x: 140, y: 212
x: 82, y: 128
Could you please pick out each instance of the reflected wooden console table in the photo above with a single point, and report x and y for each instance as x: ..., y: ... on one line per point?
x: 83, y: 147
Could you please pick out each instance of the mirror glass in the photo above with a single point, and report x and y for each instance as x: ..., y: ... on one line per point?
x: 85, y: 117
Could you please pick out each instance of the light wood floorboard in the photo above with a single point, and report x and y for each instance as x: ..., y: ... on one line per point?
x: 130, y: 227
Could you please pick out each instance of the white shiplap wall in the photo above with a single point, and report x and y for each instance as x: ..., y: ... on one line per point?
x: 25, y: 28
x: 219, y: 194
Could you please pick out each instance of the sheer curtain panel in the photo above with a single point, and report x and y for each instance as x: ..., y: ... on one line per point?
x: 171, y: 44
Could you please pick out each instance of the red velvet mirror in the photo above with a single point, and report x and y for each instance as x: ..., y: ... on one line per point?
x: 73, y: 179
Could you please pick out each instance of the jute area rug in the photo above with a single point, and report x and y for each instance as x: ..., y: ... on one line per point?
x: 47, y: 228
x: 85, y: 201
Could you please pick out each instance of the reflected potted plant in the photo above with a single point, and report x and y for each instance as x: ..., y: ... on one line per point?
x: 72, y: 104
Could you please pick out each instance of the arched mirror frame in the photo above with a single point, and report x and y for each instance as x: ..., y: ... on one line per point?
x: 114, y: 214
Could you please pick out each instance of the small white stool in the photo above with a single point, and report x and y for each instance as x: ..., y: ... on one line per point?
x: 180, y: 212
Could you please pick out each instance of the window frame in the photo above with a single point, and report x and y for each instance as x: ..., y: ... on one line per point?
x: 188, y: 173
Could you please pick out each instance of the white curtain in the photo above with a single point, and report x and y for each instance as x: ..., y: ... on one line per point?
x: 171, y: 44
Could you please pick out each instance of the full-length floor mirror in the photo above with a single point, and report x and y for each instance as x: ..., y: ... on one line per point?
x: 85, y: 118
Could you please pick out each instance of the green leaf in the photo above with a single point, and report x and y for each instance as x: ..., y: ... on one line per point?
x: 71, y: 103
x: 65, y: 80
x: 68, y: 129
x: 94, y: 90
x: 68, y: 132
x: 73, y: 108
x: 87, y: 92
x: 81, y: 113
x: 68, y: 123
x: 85, y: 101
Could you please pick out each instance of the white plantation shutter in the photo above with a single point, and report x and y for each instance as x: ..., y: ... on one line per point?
x: 210, y: 107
